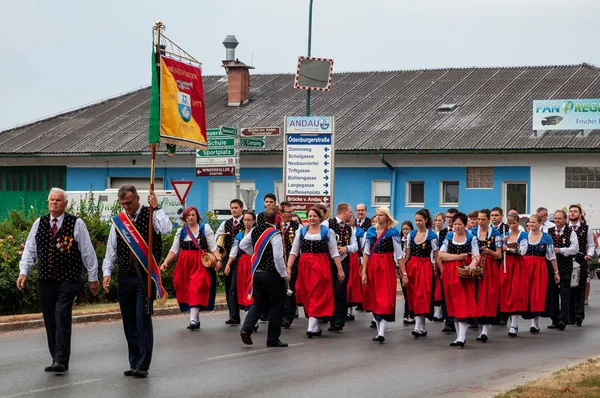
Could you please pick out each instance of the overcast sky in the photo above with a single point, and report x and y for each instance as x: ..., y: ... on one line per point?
x: 63, y: 54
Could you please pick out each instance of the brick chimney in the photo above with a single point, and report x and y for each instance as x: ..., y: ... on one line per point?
x: 238, y: 74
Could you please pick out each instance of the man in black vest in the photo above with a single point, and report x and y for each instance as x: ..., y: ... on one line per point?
x: 497, y: 216
x: 448, y: 324
x: 269, y: 201
x: 231, y: 228
x: 565, y: 247
x: 132, y: 286
x: 362, y: 221
x: 346, y: 244
x: 268, y: 282
x: 61, y: 245
x: 288, y: 230
x: 585, y: 238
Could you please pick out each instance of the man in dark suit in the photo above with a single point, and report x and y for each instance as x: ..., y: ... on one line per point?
x: 268, y: 282
x: 61, y: 245
x: 362, y: 221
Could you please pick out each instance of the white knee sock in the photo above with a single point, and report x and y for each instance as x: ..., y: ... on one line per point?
x: 480, y: 327
x: 437, y: 311
x: 381, y: 327
x: 484, y: 329
x: 462, y: 331
x: 535, y: 322
x: 313, y: 324
x: 378, y: 324
x: 514, y: 320
x: 350, y: 310
x: 195, y: 314
x: 456, y: 329
x: 420, y: 323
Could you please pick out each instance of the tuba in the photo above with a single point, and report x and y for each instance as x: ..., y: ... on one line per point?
x: 221, y: 245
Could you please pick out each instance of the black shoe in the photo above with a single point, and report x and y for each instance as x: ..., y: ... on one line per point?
x: 49, y: 368
x: 349, y: 317
x: 233, y: 321
x: 359, y: 308
x: 313, y: 334
x: 571, y: 322
x: 553, y: 326
x: 534, y: 330
x: 335, y: 328
x: 436, y: 319
x: 378, y: 338
x: 483, y: 338
x: 457, y: 343
x: 194, y: 325
x: 513, y: 334
x: 418, y: 333
x: 561, y: 326
x: 279, y: 343
x: 448, y: 329
x: 246, y: 338
x: 286, y: 324
x: 129, y: 372
x: 578, y: 320
x: 405, y: 321
x: 411, y: 321
x: 373, y: 325
x: 139, y: 373
x: 60, y: 368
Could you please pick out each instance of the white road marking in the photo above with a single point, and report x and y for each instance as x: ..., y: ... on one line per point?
x: 41, y: 390
x: 246, y: 353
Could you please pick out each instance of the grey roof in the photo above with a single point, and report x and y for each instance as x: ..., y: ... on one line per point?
x: 391, y: 111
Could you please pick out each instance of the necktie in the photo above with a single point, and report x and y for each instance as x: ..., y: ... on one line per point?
x: 235, y: 223
x: 575, y: 227
x: 54, y: 227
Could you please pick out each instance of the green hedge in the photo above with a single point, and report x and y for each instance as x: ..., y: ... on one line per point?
x: 13, y: 234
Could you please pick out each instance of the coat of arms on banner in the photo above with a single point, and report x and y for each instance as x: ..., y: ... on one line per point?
x: 185, y: 108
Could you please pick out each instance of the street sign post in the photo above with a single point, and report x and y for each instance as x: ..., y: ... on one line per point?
x: 222, y: 156
x: 254, y: 142
x: 215, y: 171
x: 181, y: 188
x: 260, y: 131
x: 309, y: 161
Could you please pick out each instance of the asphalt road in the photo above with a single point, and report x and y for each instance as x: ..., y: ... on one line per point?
x: 213, y: 362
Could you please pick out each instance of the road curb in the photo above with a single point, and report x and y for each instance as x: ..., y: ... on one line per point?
x: 90, y: 318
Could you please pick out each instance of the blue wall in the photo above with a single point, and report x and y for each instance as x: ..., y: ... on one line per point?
x: 352, y: 185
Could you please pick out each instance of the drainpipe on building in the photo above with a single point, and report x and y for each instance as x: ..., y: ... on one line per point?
x: 392, y: 185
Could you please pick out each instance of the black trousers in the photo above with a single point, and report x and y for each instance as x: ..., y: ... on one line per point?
x: 562, y: 304
x: 578, y: 293
x: 136, y: 323
x: 231, y: 295
x: 340, y: 294
x: 289, y: 305
x: 269, y: 292
x: 56, y: 303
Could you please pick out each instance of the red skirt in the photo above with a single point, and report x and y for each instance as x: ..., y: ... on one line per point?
x: 354, y: 284
x: 537, y: 275
x: 191, y: 280
x: 379, y: 295
x: 244, y: 280
x: 459, y: 292
x: 437, y: 287
x: 514, y: 285
x: 420, y: 285
x: 488, y: 289
x: 314, y: 286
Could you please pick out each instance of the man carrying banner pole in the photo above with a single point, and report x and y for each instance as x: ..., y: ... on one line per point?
x: 127, y: 246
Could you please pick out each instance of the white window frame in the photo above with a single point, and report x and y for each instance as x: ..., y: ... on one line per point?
x: 504, y: 192
x: 408, y: 202
x: 278, y: 190
x: 442, y: 185
x: 224, y: 207
x: 380, y: 188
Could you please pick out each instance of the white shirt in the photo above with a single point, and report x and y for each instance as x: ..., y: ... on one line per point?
x: 550, y: 255
x: 82, y: 237
x: 221, y: 229
x: 161, y: 224
x: 547, y: 225
x: 331, y: 245
x: 247, y: 246
x: 208, y: 234
x: 591, y: 247
x: 353, y: 246
x: 573, y: 249
x: 398, y: 252
x: 474, y: 245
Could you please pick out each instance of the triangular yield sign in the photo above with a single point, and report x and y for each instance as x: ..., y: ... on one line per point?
x: 182, y: 188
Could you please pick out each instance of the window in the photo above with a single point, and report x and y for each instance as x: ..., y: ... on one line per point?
x: 279, y: 191
x: 449, y: 191
x: 415, y: 193
x: 220, y: 193
x: 515, y: 196
x: 582, y: 177
x: 380, y: 193
x: 32, y: 178
x: 140, y: 183
x: 480, y: 177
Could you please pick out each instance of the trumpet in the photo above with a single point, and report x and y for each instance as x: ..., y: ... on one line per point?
x: 221, y: 245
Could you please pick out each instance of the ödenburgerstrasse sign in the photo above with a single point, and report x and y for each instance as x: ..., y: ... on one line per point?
x: 567, y: 114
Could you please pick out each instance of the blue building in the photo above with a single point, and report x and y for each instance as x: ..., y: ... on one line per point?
x: 407, y: 139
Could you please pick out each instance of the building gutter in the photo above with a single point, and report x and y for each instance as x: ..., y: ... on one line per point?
x: 392, y: 184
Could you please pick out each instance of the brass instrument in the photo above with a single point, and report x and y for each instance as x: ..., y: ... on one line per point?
x: 221, y: 245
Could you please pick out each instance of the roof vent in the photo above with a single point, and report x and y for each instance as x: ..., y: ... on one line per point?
x: 447, y: 108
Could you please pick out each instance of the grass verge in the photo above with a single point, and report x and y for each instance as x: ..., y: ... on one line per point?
x: 578, y: 381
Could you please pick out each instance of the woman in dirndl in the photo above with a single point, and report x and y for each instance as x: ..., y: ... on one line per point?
x: 195, y: 285
x: 514, y: 280
x: 459, y: 249
x: 488, y: 286
x: 354, y: 285
x: 239, y: 263
x: 422, y: 245
x: 438, y: 295
x: 540, y: 247
x: 315, y: 244
x: 383, y: 259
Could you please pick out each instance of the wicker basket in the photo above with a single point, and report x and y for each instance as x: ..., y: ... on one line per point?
x: 465, y: 272
x: 209, y: 260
